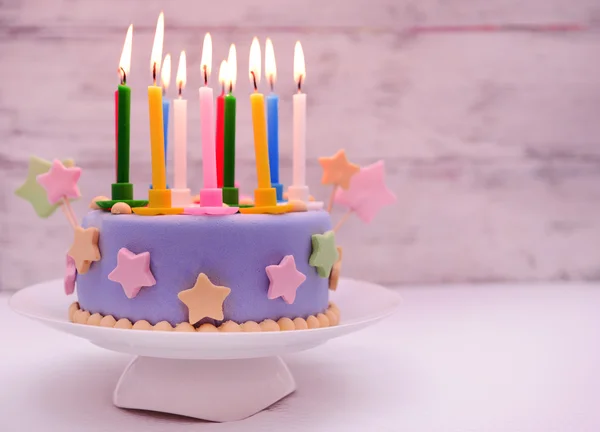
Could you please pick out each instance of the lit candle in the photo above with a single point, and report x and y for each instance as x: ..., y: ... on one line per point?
x: 155, y: 110
x: 221, y: 125
x: 159, y: 197
x: 259, y: 123
x: 265, y: 197
x: 165, y: 80
x: 181, y: 195
x: 273, y: 119
x: 209, y: 159
x: 299, y: 190
x: 230, y: 191
x: 122, y: 189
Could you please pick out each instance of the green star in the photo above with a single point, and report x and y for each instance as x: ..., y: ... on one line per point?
x: 324, y: 253
x: 33, y: 192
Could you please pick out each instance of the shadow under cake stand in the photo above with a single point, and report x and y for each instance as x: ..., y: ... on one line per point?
x: 210, y: 376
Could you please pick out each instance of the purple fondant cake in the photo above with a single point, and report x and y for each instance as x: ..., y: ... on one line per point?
x: 232, y: 251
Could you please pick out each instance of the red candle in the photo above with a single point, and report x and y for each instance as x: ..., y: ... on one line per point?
x: 220, y: 131
x: 220, y: 134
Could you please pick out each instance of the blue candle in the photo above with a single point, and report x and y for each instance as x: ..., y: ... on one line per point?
x: 273, y: 139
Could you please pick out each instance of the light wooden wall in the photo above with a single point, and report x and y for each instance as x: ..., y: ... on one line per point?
x: 490, y: 133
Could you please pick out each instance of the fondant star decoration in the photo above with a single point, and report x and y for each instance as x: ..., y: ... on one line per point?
x: 132, y: 272
x: 204, y: 299
x: 284, y: 279
x: 367, y: 193
x: 70, y: 275
x: 324, y: 253
x: 60, y: 182
x: 337, y: 170
x: 334, y: 277
x: 33, y: 192
x: 84, y: 249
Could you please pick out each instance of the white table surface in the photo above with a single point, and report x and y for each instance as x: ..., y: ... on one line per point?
x: 455, y: 358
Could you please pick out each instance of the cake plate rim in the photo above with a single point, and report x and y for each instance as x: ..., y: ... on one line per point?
x: 361, y: 304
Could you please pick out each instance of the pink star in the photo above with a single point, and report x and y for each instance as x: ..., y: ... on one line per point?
x: 367, y: 193
x: 132, y: 272
x: 70, y: 275
x: 60, y: 182
x: 285, y: 279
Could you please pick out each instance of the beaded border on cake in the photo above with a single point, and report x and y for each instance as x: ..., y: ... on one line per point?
x: 330, y: 318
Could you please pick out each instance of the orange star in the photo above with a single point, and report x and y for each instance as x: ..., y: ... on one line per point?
x: 85, y: 248
x: 204, y: 299
x: 337, y: 170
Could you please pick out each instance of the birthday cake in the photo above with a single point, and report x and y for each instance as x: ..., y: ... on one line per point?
x: 215, y: 263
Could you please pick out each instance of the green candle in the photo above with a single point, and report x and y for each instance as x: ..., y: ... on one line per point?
x: 123, y: 140
x: 229, y: 141
x: 230, y: 193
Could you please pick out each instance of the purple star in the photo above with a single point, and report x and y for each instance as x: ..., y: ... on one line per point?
x: 285, y: 279
x: 70, y: 275
x: 367, y: 193
x: 60, y: 182
x: 132, y: 272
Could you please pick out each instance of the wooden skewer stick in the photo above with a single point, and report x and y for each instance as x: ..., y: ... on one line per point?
x: 330, y: 206
x: 69, y: 213
x: 342, y: 220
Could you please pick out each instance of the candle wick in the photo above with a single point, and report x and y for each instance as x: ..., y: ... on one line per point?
x: 223, y: 88
x: 230, y: 87
x: 154, y: 72
x: 254, y: 80
x: 205, y: 75
x: 300, y: 84
x: 180, y: 89
x: 271, y: 83
x: 123, y: 76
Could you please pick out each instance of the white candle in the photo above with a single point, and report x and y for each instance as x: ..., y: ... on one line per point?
x: 299, y: 141
x: 299, y: 122
x: 180, y: 120
x: 180, y: 125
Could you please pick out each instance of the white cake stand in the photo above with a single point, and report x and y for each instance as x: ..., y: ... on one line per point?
x: 210, y: 376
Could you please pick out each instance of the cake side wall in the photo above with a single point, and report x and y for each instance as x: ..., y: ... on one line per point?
x: 232, y: 251
x: 489, y: 132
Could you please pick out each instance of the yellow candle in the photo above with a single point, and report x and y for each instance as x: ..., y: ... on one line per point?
x: 157, y: 144
x: 261, y: 150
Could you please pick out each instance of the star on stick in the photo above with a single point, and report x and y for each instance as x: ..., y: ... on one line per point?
x: 324, y: 253
x: 367, y: 193
x: 204, y: 299
x: 284, y: 279
x: 84, y: 249
x: 60, y: 182
x: 337, y: 170
x: 33, y: 192
x: 132, y: 272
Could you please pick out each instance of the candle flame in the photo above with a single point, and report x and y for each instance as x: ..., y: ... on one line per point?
x: 125, y: 61
x: 299, y: 67
x: 232, y: 67
x: 157, y: 47
x: 165, y: 72
x: 206, y: 61
x: 254, y: 69
x: 181, y: 72
x: 270, y: 65
x: 223, y: 78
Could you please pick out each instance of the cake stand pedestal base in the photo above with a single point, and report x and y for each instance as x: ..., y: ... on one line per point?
x: 214, y: 390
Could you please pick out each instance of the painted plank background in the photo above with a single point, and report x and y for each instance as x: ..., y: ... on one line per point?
x: 485, y: 111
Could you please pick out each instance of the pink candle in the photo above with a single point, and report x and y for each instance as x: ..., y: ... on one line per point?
x: 207, y: 134
x: 207, y: 119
